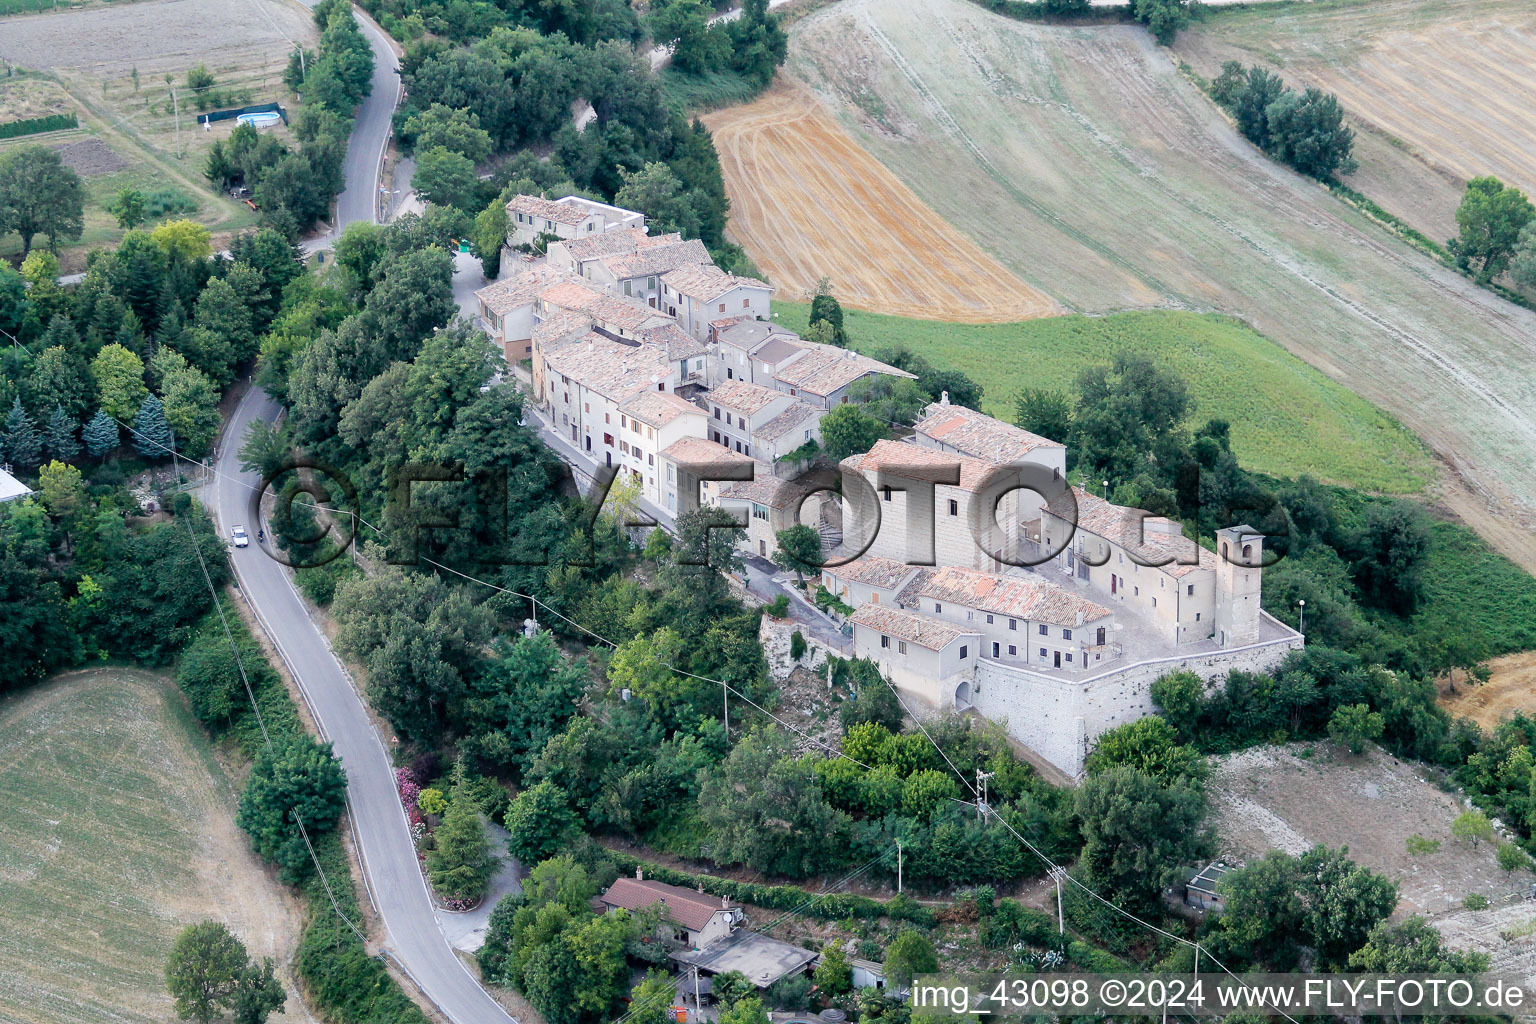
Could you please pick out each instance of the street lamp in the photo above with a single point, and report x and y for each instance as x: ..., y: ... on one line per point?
x: 1106, y: 490
x: 1302, y: 626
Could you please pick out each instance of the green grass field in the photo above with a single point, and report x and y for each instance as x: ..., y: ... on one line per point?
x: 1287, y: 418
x: 118, y: 831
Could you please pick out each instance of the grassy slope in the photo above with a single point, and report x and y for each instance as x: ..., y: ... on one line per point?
x: 1287, y: 418
x: 110, y: 788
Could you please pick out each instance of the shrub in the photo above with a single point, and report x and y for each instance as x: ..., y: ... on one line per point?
x: 797, y: 644
x: 1476, y: 901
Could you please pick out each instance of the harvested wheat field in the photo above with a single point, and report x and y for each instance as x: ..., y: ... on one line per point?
x: 1448, y: 85
x: 118, y: 832
x: 1509, y: 690
x: 1091, y: 167
x: 807, y: 201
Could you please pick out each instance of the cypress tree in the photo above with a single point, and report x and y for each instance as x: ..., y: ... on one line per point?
x: 101, y: 435
x: 151, y: 431
x: 21, y: 441
x: 59, y: 436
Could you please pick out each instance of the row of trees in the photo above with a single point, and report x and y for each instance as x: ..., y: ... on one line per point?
x: 1303, y: 129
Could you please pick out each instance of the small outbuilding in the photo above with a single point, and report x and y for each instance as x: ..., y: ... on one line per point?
x: 1200, y: 891
x: 11, y: 488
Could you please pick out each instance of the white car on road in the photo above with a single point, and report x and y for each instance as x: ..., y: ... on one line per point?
x: 241, y: 538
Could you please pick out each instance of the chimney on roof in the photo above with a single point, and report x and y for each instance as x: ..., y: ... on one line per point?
x: 725, y: 902
x: 944, y: 398
x: 639, y: 874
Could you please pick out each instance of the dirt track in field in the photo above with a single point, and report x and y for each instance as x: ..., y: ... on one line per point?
x: 1511, y: 688
x: 807, y: 200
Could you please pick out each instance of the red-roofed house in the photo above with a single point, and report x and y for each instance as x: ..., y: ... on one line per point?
x: 689, y: 917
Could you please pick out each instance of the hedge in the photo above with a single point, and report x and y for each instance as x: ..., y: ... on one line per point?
x: 37, y: 125
x: 829, y: 907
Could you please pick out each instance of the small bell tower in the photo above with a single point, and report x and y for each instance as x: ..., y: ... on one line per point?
x: 1239, y: 585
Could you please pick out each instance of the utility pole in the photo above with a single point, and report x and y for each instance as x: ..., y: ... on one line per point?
x: 1061, y: 918
x: 981, y: 793
x: 698, y: 1008
x: 898, y: 867
x: 176, y: 106
x: 725, y: 698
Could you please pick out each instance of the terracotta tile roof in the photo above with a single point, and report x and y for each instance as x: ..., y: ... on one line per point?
x: 976, y: 433
x: 560, y: 328
x: 612, y: 311
x: 748, y: 332
x: 1021, y: 597
x: 657, y: 259
x: 790, y: 419
x: 548, y: 209
x: 874, y: 571
x: 610, y: 368
x: 502, y: 297
x: 687, y: 907
x: 764, y: 488
x: 923, y: 630
x: 609, y: 243
x: 680, y: 344
x: 1135, y: 530
x: 823, y: 369
x: 912, y: 460
x: 659, y: 408
x: 700, y: 451
x: 707, y: 283
x: 744, y: 396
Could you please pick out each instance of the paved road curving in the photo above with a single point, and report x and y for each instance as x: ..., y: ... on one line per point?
x: 413, y: 937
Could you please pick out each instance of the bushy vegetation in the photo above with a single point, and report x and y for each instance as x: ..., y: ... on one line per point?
x: 1305, y: 130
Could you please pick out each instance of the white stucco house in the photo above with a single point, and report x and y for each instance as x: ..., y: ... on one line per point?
x: 528, y: 217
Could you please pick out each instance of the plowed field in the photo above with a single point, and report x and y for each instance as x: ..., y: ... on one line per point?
x: 807, y: 200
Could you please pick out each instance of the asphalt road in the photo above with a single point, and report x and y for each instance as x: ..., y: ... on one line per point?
x: 414, y: 940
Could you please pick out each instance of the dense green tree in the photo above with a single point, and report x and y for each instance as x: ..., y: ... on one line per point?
x: 519, y: 700
x: 56, y: 378
x: 1354, y: 725
x: 20, y: 441
x: 909, y: 955
x: 1251, y: 104
x: 40, y: 196
x: 152, y: 434
x: 1413, y: 946
x: 209, y: 673
x: 204, y: 969
x: 458, y: 131
x: 128, y: 207
x: 833, y: 974
x: 1490, y: 218
x: 101, y: 435
x: 59, y: 436
x: 541, y: 823
x: 1152, y: 746
x: 1044, y: 412
x: 1523, y: 264
x: 35, y: 635
x: 1126, y: 411
x: 1138, y: 833
x: 119, y: 378
x: 764, y: 808
x: 1389, y: 552
x: 294, y: 781
x: 799, y: 548
x: 460, y: 863
x: 447, y: 179
x: 657, y: 192
x: 1163, y: 18
x: 1307, y: 131
x: 826, y: 308
x: 258, y: 994
x: 849, y: 430
x: 683, y: 26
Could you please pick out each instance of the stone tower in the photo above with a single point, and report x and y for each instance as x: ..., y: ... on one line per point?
x: 1239, y: 584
